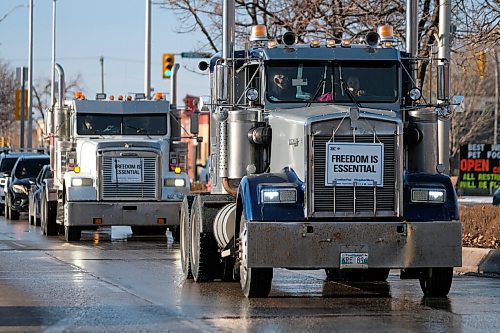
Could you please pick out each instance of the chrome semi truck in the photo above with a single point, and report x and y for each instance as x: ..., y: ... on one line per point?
x: 323, y: 156
x: 114, y: 162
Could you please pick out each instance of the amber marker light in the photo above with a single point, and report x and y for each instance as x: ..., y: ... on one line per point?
x: 158, y: 96
x: 386, y: 32
x: 259, y: 33
x: 111, y: 98
x: 97, y: 220
x: 120, y: 98
x: 177, y: 170
x: 161, y: 220
x: 76, y: 169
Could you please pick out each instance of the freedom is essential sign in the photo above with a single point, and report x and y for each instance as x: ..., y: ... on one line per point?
x: 127, y: 170
x: 349, y: 164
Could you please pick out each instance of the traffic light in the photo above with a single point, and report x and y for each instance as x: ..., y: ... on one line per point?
x: 168, y: 65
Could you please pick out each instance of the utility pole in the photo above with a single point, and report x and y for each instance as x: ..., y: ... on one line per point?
x: 101, y: 60
x: 495, y: 135
x: 147, y: 52
x: 30, y: 78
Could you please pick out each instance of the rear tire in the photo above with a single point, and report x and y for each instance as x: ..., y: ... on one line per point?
x: 203, y: 247
x: 436, y: 281
x: 185, y: 236
x: 255, y: 282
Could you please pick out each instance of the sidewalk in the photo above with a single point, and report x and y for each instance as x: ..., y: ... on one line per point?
x: 476, y: 260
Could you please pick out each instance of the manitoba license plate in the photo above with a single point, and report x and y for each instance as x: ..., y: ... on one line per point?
x: 353, y: 260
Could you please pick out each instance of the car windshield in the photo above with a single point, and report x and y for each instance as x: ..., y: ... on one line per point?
x: 102, y: 124
x: 8, y: 164
x: 29, y: 168
x: 327, y: 82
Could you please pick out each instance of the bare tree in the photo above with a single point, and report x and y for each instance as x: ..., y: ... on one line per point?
x: 7, y: 98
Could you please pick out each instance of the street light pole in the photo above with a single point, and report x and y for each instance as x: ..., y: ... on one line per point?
x: 147, y: 52
x: 30, y: 78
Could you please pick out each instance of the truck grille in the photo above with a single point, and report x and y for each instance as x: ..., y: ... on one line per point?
x: 347, y: 201
x: 147, y: 189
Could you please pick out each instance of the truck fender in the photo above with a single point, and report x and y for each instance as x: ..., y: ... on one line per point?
x: 414, y: 212
x: 249, y: 197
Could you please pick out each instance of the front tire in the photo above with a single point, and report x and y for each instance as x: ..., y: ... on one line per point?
x: 72, y: 233
x: 436, y: 281
x: 48, y: 219
x: 255, y: 282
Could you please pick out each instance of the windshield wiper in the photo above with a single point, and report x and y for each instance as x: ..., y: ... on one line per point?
x: 321, y: 83
x: 349, y: 93
x: 139, y: 130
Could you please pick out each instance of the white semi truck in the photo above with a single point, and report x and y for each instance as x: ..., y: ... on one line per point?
x: 114, y: 162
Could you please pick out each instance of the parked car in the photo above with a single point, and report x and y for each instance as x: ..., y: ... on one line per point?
x: 16, y: 196
x: 35, y: 195
x: 7, y: 161
x: 496, y: 197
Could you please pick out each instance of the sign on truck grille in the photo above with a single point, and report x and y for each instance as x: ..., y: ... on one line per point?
x: 127, y: 170
x: 354, y: 164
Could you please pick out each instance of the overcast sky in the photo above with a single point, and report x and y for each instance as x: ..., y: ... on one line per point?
x: 89, y: 29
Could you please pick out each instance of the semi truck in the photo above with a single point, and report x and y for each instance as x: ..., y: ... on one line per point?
x: 114, y: 162
x: 323, y: 156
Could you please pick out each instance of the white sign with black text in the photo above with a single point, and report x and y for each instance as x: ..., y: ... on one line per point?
x: 354, y: 163
x: 127, y: 170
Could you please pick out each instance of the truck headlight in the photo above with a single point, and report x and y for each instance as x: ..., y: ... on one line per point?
x: 174, y: 182
x: 278, y: 195
x: 19, y: 189
x: 82, y: 182
x: 429, y: 195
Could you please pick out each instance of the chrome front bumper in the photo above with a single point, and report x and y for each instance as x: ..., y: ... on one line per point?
x: 122, y: 213
x: 388, y: 244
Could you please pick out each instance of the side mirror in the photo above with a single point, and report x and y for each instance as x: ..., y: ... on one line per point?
x: 458, y: 103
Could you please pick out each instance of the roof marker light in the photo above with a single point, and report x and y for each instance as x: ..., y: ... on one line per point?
x: 386, y: 33
x: 120, y: 97
x: 159, y: 96
x: 259, y: 33
x: 330, y: 43
x: 111, y: 98
x: 315, y: 43
x: 345, y: 43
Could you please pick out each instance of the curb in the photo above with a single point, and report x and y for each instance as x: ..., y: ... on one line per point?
x: 477, y: 260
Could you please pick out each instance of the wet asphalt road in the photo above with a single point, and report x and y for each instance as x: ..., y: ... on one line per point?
x: 112, y: 282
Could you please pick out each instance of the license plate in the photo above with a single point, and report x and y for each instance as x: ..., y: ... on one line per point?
x: 353, y: 260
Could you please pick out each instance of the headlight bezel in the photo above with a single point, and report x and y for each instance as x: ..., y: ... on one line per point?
x: 278, y: 194
x: 174, y: 182
x: 429, y: 195
x: 19, y: 189
x: 80, y: 182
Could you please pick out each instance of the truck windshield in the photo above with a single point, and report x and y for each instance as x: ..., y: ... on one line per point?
x: 323, y: 82
x: 138, y: 124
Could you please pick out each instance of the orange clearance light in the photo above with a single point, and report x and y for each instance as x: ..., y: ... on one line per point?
x: 76, y: 169
x: 120, y: 98
x: 129, y: 98
x: 159, y: 96
x: 161, y: 220
x: 330, y: 43
x: 345, y: 43
x: 78, y: 94
x: 315, y: 43
x: 111, y: 98
x: 259, y: 33
x: 177, y: 169
x: 97, y: 220
x: 386, y: 32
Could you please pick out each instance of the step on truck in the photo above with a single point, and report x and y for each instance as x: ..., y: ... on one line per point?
x: 323, y: 156
x: 114, y: 163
